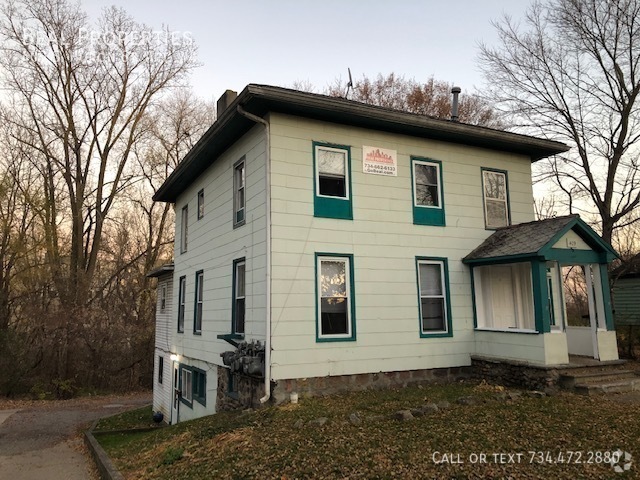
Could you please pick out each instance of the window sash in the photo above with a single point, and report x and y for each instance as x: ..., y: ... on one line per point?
x: 198, y: 307
x: 433, y: 304
x: 334, y: 298
x: 421, y: 183
x: 239, y: 198
x: 184, y: 229
x: 239, y: 303
x: 160, y: 369
x: 200, y: 204
x: 163, y: 297
x: 181, y: 303
x: 496, y: 207
x: 331, y: 167
x: 187, y: 385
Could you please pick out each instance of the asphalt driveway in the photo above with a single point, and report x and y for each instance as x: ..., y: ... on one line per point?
x: 43, y: 440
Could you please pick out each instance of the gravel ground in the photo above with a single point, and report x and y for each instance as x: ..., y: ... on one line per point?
x: 42, y: 440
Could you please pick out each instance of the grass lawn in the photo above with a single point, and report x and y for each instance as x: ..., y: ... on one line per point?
x: 279, y: 442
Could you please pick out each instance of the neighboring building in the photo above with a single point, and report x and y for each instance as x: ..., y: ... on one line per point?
x: 352, y: 246
x: 626, y: 299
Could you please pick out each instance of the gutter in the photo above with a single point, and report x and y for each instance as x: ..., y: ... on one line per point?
x: 267, y: 179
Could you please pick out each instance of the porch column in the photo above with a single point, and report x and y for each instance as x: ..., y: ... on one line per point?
x: 540, y: 296
x: 606, y: 296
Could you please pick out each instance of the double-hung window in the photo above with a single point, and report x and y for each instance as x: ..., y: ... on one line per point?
x: 197, y: 317
x: 335, y: 300
x: 433, y: 296
x: 428, y: 202
x: 332, y: 181
x: 200, y: 386
x: 495, y: 192
x: 182, y: 289
x: 184, y: 228
x: 239, y: 193
x: 160, y: 369
x: 239, y: 284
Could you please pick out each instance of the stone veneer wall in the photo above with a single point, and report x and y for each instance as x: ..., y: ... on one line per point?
x: 249, y: 390
x: 514, y: 373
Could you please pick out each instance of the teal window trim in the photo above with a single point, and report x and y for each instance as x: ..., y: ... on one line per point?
x: 182, y: 305
x: 350, y: 336
x: 540, y: 296
x: 239, y: 192
x: 328, y: 206
x: 473, y: 298
x: 606, y: 297
x: 484, y: 203
x: 444, y: 272
x: 199, y: 385
x: 426, y: 214
x: 188, y: 401
x: 200, y: 204
x: 198, y: 303
x: 234, y: 295
x: 184, y: 228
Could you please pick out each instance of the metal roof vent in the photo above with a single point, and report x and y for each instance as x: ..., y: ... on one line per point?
x: 454, y: 106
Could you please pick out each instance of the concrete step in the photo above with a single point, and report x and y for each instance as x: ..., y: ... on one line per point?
x: 588, y: 377
x: 621, y: 386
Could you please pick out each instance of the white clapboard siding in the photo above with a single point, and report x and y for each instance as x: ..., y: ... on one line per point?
x: 384, y: 242
x: 162, y: 391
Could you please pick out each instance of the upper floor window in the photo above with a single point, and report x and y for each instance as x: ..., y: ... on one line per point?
x: 200, y: 204
x: 335, y: 315
x: 239, y: 197
x: 428, y: 204
x: 197, y: 317
x: 182, y: 288
x: 163, y: 297
x: 239, y: 283
x: 332, y: 181
x: 184, y: 228
x: 433, y: 293
x: 495, y: 192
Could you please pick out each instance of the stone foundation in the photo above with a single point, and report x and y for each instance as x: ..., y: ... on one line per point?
x: 318, y: 386
x: 247, y: 391
x: 513, y: 373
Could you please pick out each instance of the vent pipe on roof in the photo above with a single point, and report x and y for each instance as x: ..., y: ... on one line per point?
x: 454, y: 106
x: 224, y: 101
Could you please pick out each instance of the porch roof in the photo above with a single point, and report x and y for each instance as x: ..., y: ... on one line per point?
x: 537, y: 239
x: 161, y: 270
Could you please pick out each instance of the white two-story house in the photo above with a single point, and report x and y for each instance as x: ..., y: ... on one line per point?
x: 326, y: 244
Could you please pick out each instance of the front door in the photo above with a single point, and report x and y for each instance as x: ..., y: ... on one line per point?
x: 175, y: 400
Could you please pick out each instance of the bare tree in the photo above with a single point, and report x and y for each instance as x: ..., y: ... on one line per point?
x: 432, y: 98
x: 78, y: 99
x: 572, y: 73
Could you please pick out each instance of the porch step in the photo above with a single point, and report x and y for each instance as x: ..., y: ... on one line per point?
x: 590, y: 382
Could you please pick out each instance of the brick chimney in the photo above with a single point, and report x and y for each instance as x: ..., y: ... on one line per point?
x: 224, y: 101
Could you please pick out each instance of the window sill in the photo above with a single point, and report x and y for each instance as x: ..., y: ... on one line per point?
x: 439, y: 334
x: 199, y: 333
x: 231, y: 338
x: 508, y: 330
x: 335, y: 339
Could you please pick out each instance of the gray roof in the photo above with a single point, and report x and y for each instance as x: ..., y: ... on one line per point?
x: 259, y: 100
x: 161, y: 270
x: 524, y: 239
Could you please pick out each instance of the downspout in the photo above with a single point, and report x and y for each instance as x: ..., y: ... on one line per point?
x: 267, y: 340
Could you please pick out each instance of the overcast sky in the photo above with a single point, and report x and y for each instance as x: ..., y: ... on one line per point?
x: 277, y: 42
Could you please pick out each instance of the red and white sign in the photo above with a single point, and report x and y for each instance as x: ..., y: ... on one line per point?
x: 379, y: 161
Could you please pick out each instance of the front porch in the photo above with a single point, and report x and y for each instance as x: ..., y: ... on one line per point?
x: 519, y: 282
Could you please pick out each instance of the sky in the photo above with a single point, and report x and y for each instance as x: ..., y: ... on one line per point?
x: 279, y: 42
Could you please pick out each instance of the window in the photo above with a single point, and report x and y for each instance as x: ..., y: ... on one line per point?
x: 238, y: 313
x: 160, y: 369
x: 504, y: 297
x: 496, y: 198
x: 428, y: 203
x: 199, y: 386
x: 197, y: 308
x: 239, y: 214
x: 182, y: 287
x: 433, y: 294
x: 163, y: 297
x: 200, y: 204
x: 332, y: 181
x: 335, y: 316
x: 187, y: 385
x: 184, y: 228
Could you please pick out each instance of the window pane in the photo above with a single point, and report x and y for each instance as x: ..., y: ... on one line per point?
x: 427, y: 195
x: 495, y: 185
x: 430, y: 279
x: 330, y: 162
x: 240, y: 280
x: 426, y: 174
x: 334, y: 316
x: 332, y: 186
x: 333, y: 279
x: 240, y: 308
x: 433, y: 317
x: 240, y: 176
x: 496, y: 213
x: 200, y: 282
